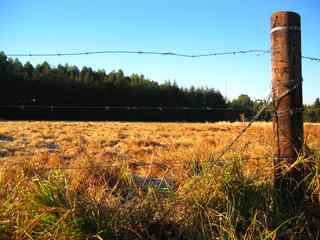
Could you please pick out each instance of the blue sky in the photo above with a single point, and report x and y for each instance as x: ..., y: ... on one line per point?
x: 200, y: 26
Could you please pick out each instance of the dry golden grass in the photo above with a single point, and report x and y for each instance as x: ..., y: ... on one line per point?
x: 148, y: 149
x: 112, y: 180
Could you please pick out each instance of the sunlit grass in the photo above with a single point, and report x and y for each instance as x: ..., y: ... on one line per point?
x: 147, y: 181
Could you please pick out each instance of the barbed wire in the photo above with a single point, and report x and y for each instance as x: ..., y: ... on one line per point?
x: 127, y: 108
x: 151, y: 108
x: 257, y: 52
x: 254, y: 119
x: 311, y: 58
x: 258, y: 114
x: 53, y: 108
x: 254, y: 51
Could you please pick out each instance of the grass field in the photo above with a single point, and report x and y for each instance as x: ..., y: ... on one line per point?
x: 111, y: 180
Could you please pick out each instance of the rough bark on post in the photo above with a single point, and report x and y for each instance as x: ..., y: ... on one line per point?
x: 287, y: 103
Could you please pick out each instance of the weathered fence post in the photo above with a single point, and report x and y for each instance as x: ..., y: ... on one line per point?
x: 287, y: 103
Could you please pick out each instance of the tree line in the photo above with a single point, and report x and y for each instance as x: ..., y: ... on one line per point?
x: 249, y: 108
x: 67, y: 85
x: 312, y: 112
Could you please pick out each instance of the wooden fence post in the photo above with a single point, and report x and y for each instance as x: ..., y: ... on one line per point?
x: 287, y: 103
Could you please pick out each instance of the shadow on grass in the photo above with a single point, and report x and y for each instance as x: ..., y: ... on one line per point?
x: 6, y: 138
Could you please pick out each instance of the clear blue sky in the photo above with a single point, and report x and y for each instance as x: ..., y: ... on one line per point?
x: 200, y: 26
